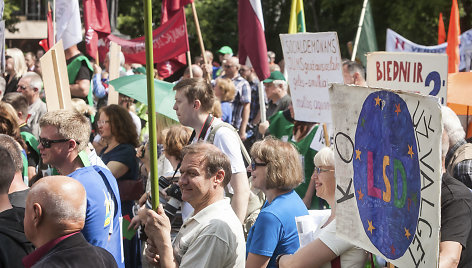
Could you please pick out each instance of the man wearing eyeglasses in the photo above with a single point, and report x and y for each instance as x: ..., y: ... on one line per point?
x: 242, y: 101
x: 30, y: 86
x: 64, y: 134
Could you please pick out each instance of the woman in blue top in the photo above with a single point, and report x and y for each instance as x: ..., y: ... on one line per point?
x: 276, y: 170
x: 225, y: 92
x: 116, y: 127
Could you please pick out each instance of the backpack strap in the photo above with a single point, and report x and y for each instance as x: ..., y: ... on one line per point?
x: 211, y: 138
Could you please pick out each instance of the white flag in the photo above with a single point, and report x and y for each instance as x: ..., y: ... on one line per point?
x: 68, y: 25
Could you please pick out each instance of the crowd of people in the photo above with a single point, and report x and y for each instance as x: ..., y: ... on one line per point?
x: 75, y: 184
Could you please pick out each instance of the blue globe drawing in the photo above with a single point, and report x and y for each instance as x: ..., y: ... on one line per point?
x: 386, y: 173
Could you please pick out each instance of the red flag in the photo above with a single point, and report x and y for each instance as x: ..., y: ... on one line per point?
x: 252, y: 43
x: 49, y: 42
x: 97, y: 24
x: 453, y: 39
x: 171, y: 7
x: 441, y: 30
x: 169, y: 42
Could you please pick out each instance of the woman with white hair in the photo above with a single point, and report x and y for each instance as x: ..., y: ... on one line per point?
x: 15, y: 68
x: 327, y: 249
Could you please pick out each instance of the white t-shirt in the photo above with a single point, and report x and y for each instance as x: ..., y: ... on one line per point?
x: 351, y: 256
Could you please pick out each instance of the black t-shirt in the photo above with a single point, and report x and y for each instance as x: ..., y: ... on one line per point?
x: 456, y: 216
x: 84, y: 72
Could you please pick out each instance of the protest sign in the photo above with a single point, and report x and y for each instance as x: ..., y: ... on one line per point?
x: 398, y: 43
x: 55, y: 78
x: 312, y: 60
x: 388, y: 172
x: 169, y: 41
x: 423, y: 73
x: 114, y: 69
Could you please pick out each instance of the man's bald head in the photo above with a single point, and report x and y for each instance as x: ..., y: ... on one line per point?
x: 62, y: 199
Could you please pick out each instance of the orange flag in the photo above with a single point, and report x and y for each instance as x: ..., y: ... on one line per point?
x: 441, y: 30
x: 453, y: 40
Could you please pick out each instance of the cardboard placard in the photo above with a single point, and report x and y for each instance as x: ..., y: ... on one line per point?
x: 313, y: 61
x: 388, y: 172
x: 55, y: 78
x: 114, y: 71
x: 423, y: 73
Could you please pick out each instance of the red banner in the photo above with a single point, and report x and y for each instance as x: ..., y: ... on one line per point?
x: 169, y: 41
x: 96, y: 24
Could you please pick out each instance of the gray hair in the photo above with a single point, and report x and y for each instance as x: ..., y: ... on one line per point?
x: 35, y: 80
x: 325, y: 157
x: 354, y: 67
x: 281, y: 83
x: 3, y: 85
x: 452, y: 125
x: 122, y: 58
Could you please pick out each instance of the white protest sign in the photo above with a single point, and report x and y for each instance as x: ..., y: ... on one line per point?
x: 313, y: 61
x: 388, y: 172
x: 423, y: 73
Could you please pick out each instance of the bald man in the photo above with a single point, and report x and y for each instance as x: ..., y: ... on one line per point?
x: 54, y: 217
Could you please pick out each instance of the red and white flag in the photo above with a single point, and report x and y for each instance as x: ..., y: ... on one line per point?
x: 97, y: 24
x: 252, y: 43
x: 68, y: 26
x: 48, y: 42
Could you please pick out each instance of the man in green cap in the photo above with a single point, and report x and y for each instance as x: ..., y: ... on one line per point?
x: 225, y: 52
x: 276, y: 91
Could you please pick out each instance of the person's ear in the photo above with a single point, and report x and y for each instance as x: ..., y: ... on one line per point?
x: 197, y: 104
x: 219, y: 177
x: 357, y: 78
x: 37, y: 214
x: 72, y: 144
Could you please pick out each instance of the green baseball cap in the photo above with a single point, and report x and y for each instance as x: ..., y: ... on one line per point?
x: 225, y: 50
x: 275, y: 75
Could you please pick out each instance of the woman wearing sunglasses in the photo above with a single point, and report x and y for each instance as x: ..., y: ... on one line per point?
x: 327, y: 250
x: 276, y: 170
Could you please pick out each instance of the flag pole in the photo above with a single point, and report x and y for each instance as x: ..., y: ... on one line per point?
x: 200, y: 39
x: 189, y: 63
x: 359, y: 29
x: 150, y: 97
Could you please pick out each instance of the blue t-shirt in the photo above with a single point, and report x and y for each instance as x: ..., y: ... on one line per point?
x: 226, y: 111
x: 275, y: 230
x: 102, y: 220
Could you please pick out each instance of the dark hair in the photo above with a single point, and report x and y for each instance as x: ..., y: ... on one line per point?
x: 121, y: 124
x: 197, y: 89
x: 18, y: 101
x: 15, y: 150
x: 7, y: 167
x: 213, y: 159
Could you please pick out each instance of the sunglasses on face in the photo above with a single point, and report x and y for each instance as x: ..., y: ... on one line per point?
x: 321, y: 170
x: 254, y: 164
x: 46, y: 143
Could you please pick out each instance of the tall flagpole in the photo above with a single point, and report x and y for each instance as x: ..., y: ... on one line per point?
x: 151, y: 105
x: 359, y: 29
x: 54, y: 22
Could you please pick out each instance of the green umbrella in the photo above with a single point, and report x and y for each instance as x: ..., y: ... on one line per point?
x: 135, y: 86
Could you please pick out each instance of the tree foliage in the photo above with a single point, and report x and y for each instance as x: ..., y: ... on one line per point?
x: 11, y: 7
x: 416, y: 20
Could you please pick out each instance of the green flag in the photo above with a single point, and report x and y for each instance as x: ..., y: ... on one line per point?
x: 367, y: 41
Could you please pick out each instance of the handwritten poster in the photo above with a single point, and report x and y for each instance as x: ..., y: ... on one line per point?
x: 423, y: 73
x: 312, y: 61
x: 388, y: 172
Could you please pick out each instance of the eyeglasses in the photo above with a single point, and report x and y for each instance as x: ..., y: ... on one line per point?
x: 22, y: 87
x: 46, y: 143
x: 254, y: 165
x: 227, y: 66
x: 102, y: 122
x: 320, y: 170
